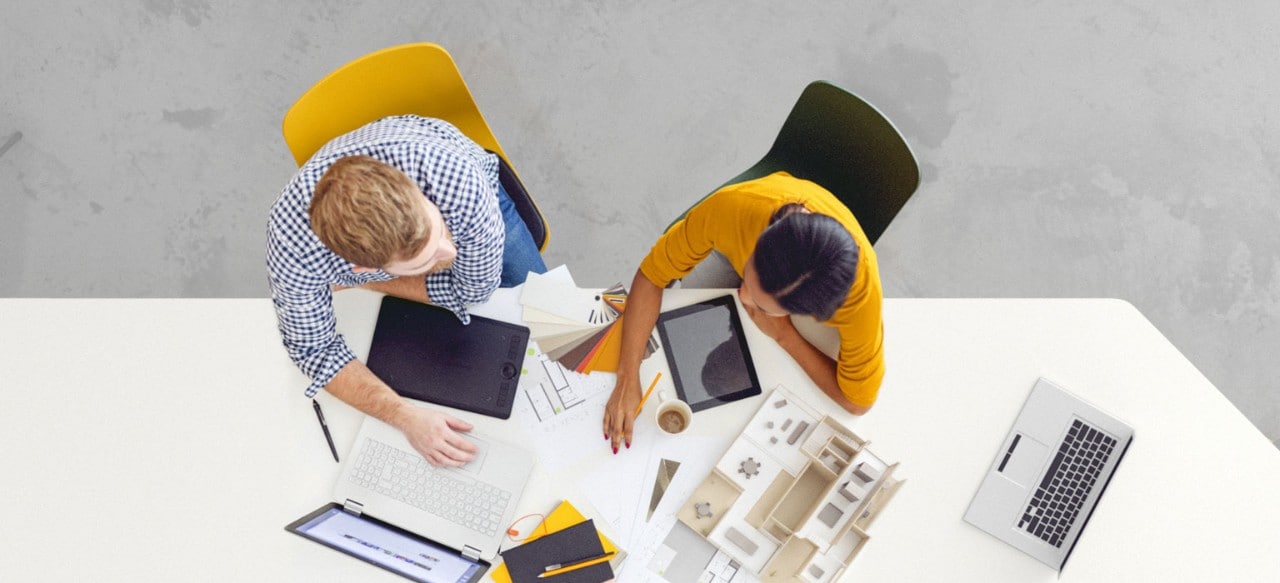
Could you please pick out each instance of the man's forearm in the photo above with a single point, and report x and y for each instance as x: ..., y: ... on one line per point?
x: 433, y: 434
x: 412, y: 287
x: 357, y: 386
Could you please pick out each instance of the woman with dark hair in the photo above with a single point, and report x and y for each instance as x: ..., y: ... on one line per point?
x: 798, y: 251
x: 805, y: 261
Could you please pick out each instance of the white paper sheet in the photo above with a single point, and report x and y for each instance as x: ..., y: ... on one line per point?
x: 502, y: 305
x: 553, y: 305
x: 549, y: 296
x: 549, y: 320
x: 562, y: 410
x: 621, y: 491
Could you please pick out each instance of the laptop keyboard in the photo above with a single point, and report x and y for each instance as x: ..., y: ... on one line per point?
x: 407, y: 477
x: 1067, y: 484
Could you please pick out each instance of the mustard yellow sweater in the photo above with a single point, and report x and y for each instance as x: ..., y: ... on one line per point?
x: 730, y: 221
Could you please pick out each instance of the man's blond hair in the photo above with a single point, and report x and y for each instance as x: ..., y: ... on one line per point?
x: 368, y: 213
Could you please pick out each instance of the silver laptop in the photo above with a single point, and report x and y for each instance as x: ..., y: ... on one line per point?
x: 1049, y: 474
x: 467, y: 509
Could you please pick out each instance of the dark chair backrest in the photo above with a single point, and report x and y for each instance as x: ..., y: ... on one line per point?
x: 528, y: 210
x: 844, y: 144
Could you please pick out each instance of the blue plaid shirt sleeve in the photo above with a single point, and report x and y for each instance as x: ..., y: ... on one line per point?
x: 467, y: 197
x: 304, y: 311
x: 457, y: 175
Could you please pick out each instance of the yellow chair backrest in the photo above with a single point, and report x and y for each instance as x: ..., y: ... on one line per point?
x: 417, y: 78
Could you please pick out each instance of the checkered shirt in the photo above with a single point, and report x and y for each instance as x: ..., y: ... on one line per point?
x: 453, y: 172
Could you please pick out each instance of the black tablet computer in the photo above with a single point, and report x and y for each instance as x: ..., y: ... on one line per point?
x: 394, y: 549
x: 707, y: 353
x: 423, y: 352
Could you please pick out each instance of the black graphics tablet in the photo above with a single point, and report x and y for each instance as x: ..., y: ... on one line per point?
x: 707, y: 353
x: 394, y: 549
x: 425, y: 353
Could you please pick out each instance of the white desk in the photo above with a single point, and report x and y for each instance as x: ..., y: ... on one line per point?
x: 169, y: 440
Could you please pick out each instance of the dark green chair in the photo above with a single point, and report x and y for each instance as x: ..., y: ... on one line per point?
x: 847, y: 146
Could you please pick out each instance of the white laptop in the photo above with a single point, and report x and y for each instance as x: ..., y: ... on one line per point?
x: 467, y: 509
x: 1049, y: 474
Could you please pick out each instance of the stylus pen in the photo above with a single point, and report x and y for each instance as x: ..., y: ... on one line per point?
x: 560, y: 568
x: 325, y: 426
x: 648, y: 392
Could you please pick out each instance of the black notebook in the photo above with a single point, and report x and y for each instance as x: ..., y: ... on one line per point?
x: 425, y: 353
x: 580, y: 541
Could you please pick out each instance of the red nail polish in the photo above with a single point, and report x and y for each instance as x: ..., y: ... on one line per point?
x: 628, y: 445
x: 615, y: 450
x: 606, y: 437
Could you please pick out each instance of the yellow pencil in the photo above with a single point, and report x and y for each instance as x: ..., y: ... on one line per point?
x: 648, y: 392
x: 552, y: 572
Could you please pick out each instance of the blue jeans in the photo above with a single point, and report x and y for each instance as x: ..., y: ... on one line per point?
x: 520, y: 255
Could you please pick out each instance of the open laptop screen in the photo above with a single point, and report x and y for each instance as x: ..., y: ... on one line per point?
x: 386, y: 546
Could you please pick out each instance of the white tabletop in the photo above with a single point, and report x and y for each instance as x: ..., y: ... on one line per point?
x: 169, y: 440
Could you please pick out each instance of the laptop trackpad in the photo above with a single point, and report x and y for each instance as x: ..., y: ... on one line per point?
x: 1026, y: 461
x: 482, y: 452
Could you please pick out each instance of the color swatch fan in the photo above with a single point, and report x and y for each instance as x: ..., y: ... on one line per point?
x: 578, y: 328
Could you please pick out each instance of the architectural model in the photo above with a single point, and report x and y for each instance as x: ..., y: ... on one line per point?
x: 792, y: 498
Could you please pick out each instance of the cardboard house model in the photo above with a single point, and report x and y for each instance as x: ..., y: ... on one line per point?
x: 792, y: 498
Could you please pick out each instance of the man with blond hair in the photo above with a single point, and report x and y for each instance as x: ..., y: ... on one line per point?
x: 406, y: 206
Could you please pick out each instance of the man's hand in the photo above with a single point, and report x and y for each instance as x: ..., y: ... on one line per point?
x: 434, y: 434
x: 620, y: 411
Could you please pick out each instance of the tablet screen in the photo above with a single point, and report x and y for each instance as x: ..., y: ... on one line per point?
x: 386, y: 546
x: 707, y: 353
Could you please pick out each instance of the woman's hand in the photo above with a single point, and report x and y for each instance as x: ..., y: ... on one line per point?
x: 620, y: 411
x: 775, y: 327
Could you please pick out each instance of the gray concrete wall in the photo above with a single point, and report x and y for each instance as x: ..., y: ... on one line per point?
x: 1069, y: 149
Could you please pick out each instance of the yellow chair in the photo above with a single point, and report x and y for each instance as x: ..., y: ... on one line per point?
x: 417, y: 78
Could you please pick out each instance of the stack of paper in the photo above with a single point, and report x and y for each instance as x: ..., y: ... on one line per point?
x: 579, y: 328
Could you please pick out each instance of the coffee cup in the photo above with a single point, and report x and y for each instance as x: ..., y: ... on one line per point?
x: 673, y: 416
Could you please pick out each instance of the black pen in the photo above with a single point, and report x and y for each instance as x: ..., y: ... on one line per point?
x: 325, y: 426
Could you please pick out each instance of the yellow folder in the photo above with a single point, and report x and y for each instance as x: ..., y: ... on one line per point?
x: 564, y: 516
